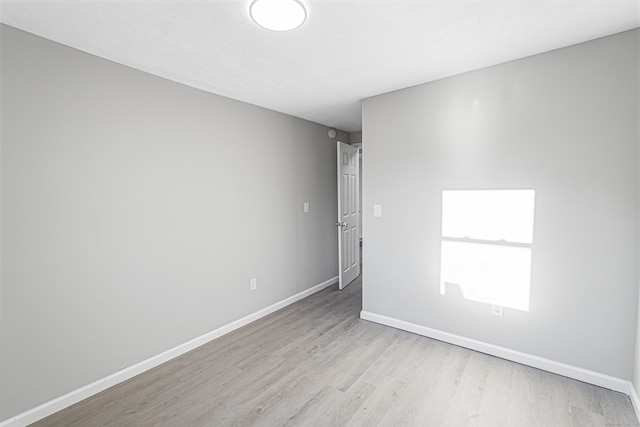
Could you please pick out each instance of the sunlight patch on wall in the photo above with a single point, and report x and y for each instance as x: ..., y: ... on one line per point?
x: 489, y: 215
x: 486, y: 249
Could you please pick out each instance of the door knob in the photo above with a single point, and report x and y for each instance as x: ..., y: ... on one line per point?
x: 341, y: 224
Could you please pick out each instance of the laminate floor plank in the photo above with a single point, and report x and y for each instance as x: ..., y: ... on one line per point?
x: 382, y: 400
x: 496, y: 400
x: 315, y: 363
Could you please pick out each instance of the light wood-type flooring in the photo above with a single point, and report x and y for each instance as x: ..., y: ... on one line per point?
x: 315, y: 363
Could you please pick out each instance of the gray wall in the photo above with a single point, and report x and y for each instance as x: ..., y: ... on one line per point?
x: 135, y: 211
x: 355, y: 137
x: 636, y: 377
x: 563, y: 123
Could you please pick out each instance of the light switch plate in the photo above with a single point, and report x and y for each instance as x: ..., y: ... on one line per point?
x: 306, y: 207
x: 377, y: 211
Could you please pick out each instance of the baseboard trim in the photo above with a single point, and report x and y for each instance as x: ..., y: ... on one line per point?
x: 548, y: 365
x: 64, y: 401
x: 635, y: 399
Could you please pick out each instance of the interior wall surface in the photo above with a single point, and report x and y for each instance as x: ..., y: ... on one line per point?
x: 136, y: 210
x: 563, y: 123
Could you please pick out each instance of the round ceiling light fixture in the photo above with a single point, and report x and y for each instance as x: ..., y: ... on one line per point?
x: 278, y: 15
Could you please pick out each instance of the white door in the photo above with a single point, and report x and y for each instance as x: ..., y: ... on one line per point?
x: 348, y: 201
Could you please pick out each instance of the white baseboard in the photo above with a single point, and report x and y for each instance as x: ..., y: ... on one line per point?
x: 569, y: 371
x: 82, y: 393
x: 635, y: 399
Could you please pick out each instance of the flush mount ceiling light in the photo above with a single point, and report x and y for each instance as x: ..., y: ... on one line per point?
x: 278, y: 15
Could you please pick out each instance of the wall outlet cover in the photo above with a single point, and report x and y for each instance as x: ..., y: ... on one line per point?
x: 497, y: 310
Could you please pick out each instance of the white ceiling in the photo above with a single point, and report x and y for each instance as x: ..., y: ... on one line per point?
x: 346, y: 51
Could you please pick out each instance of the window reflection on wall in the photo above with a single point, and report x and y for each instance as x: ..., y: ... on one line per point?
x: 486, y: 248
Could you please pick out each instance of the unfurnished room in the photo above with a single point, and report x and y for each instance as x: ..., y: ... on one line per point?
x: 320, y: 213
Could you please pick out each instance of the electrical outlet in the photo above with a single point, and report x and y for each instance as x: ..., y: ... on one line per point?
x: 497, y: 310
x: 253, y: 284
x: 305, y: 207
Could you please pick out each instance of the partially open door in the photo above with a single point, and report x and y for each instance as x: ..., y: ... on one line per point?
x: 348, y: 208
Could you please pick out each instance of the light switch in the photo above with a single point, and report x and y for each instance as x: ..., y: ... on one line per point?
x: 306, y: 207
x: 377, y: 211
